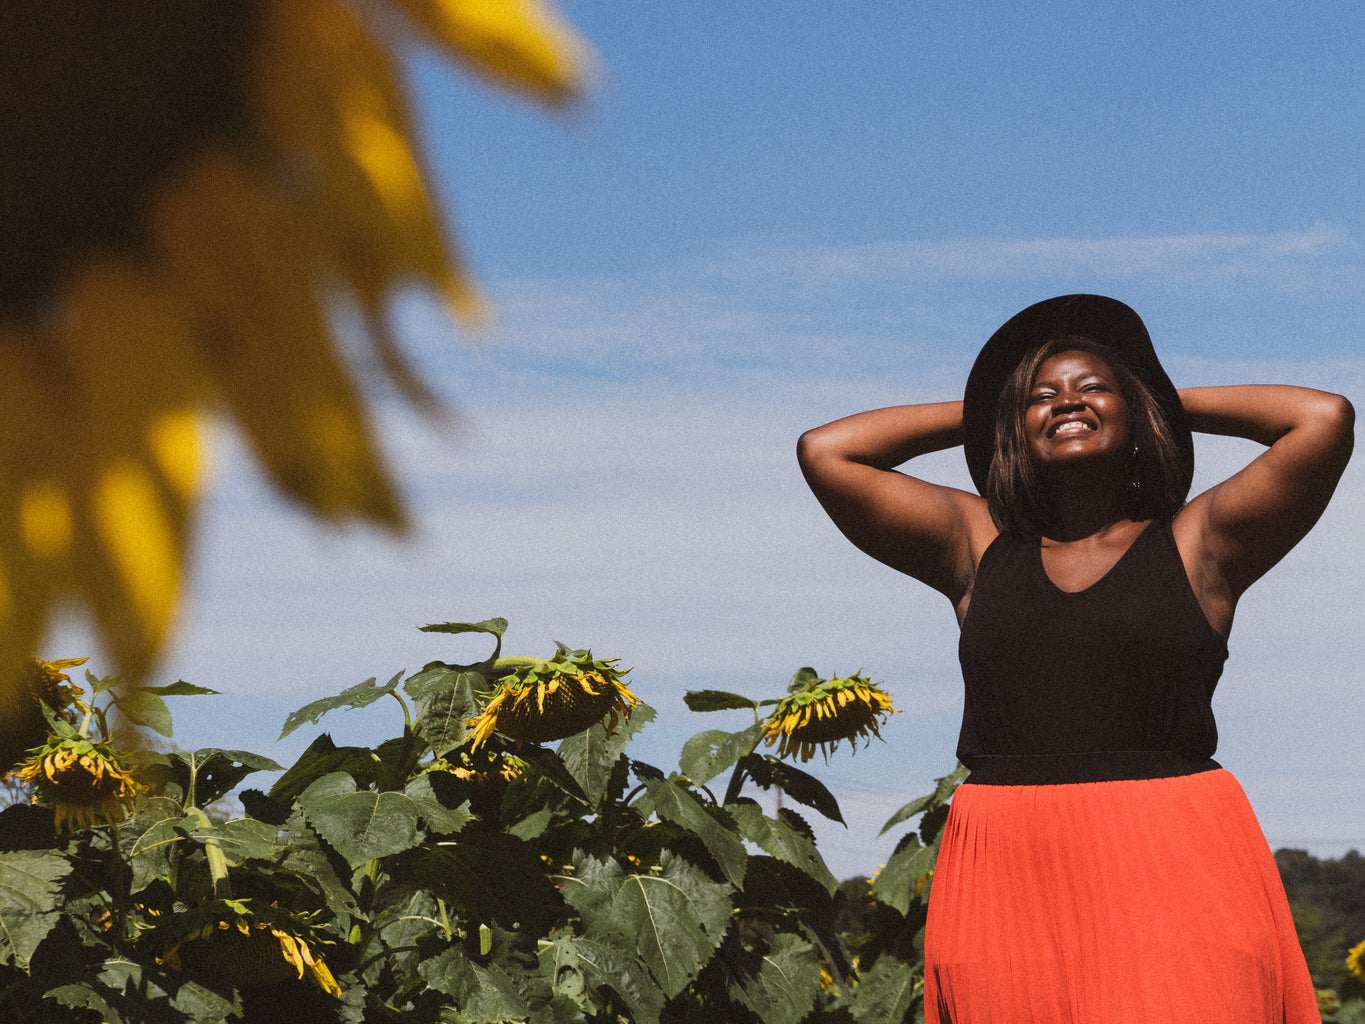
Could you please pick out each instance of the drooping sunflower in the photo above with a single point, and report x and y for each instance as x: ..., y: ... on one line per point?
x: 487, y: 773
x: 541, y: 701
x: 235, y: 946
x: 824, y: 712
x: 41, y: 684
x: 188, y: 191
x: 81, y: 780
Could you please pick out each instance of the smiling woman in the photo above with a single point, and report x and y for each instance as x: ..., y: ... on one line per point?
x: 1094, y: 606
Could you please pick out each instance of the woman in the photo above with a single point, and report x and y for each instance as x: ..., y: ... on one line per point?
x: 1097, y: 866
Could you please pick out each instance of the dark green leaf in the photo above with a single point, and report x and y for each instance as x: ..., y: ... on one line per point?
x: 591, y: 887
x: 784, y: 988
x: 180, y: 688
x: 358, y: 696
x: 495, y: 627
x: 886, y: 991
x: 803, y: 680
x: 445, y: 700
x: 608, y: 962
x: 942, y: 793
x: 323, y: 757
x: 217, y: 772
x: 899, y: 883
x: 677, y: 917
x: 29, y: 900
x: 82, y: 997
x: 709, y: 753
x: 362, y: 825
x: 306, y: 858
x: 591, y: 755
x: 717, y: 700
x: 441, y: 800
x: 476, y: 877
x: 145, y: 708
x: 768, y: 771
x: 241, y: 839
x: 672, y: 802
x: 483, y: 993
x: 551, y: 767
x: 155, y: 831
x: 780, y: 840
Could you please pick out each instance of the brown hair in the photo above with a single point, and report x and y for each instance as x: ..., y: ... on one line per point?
x: 1015, y: 492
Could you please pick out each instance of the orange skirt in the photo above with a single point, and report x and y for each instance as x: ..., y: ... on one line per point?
x: 1147, y: 901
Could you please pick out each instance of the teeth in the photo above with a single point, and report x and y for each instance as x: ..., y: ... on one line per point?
x: 1072, y: 427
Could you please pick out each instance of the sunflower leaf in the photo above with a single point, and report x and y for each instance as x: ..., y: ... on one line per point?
x: 783, y: 989
x: 709, y: 753
x: 322, y: 758
x: 591, y: 755
x: 942, y: 793
x: 717, y: 700
x: 144, y: 707
x: 29, y: 900
x: 358, y: 696
x: 886, y: 991
x: 672, y: 802
x: 780, y: 840
x: 899, y: 883
x: 768, y: 771
x: 180, y: 688
x: 360, y: 825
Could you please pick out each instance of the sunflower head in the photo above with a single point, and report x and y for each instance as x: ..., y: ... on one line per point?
x: 1355, y: 961
x: 43, y: 684
x: 542, y: 701
x: 79, y: 777
x: 821, y: 712
x: 228, y: 942
x: 486, y: 773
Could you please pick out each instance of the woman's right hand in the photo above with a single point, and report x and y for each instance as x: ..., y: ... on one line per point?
x: 931, y: 532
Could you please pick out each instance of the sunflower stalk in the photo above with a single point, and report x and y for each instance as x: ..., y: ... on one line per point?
x: 213, y: 850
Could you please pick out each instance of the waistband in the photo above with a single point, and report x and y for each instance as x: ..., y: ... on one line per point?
x: 1093, y: 766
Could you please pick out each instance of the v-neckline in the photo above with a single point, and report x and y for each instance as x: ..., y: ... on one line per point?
x: 1042, y: 567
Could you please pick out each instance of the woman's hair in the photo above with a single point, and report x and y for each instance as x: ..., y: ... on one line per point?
x: 1015, y: 492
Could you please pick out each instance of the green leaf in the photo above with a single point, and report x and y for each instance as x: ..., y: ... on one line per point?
x: 306, y: 858
x: 886, y: 991
x: 358, y: 696
x: 445, y: 700
x: 145, y: 708
x: 803, y: 679
x: 493, y: 627
x: 672, y: 802
x: 361, y: 826
x: 784, y: 988
x: 29, y: 900
x: 896, y: 883
x: 495, y: 878
x: 608, y: 962
x: 241, y: 839
x: 151, y: 837
x: 709, y: 753
x: 180, y: 688
x: 718, y: 700
x: 217, y: 772
x: 441, y: 800
x: 591, y: 755
x: 80, y: 996
x: 780, y: 840
x: 768, y: 771
x: 942, y: 793
x: 484, y: 994
x: 323, y: 757
x: 677, y: 917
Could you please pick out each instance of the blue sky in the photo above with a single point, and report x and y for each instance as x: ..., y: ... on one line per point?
x: 768, y: 215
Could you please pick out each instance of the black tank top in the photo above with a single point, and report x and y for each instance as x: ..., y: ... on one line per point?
x: 1114, y: 681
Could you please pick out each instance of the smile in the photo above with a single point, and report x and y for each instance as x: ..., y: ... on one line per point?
x: 1069, y: 428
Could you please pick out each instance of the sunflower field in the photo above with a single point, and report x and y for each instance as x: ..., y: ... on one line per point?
x: 503, y: 857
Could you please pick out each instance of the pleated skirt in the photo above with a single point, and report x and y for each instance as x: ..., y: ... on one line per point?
x: 1128, y: 902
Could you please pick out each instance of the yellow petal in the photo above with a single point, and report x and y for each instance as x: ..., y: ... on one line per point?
x: 517, y: 43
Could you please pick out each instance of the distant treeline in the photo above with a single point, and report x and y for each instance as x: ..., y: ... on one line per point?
x: 1328, y: 900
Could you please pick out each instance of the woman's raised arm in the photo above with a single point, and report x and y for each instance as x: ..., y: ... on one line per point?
x: 1243, y: 526
x: 931, y: 532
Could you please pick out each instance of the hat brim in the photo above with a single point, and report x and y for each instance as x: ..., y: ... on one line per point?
x: 1104, y: 320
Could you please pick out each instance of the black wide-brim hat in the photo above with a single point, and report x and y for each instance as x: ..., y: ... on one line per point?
x: 1101, y: 319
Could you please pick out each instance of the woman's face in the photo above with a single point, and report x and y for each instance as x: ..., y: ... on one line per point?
x: 1075, y: 411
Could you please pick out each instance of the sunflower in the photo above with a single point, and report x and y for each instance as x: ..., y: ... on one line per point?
x: 486, y: 774
x: 236, y: 947
x: 1355, y: 961
x: 189, y: 193
x: 77, y: 777
x: 41, y: 684
x: 824, y: 712
x: 541, y: 701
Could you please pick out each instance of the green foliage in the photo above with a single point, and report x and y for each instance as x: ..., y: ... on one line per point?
x: 564, y: 885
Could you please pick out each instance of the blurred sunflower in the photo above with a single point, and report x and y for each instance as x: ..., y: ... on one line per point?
x: 40, y: 684
x: 239, y: 948
x: 1355, y: 961
x: 78, y: 777
x: 187, y: 191
x: 542, y: 701
x: 825, y: 711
